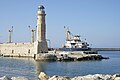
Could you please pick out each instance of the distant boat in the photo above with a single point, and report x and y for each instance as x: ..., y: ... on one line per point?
x: 74, y: 43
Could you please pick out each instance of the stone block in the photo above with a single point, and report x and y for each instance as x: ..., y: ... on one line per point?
x: 43, y: 76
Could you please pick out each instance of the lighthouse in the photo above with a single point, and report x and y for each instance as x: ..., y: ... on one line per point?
x: 41, y: 31
x: 41, y: 26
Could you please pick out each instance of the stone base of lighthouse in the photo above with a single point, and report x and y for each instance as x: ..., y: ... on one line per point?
x: 41, y: 47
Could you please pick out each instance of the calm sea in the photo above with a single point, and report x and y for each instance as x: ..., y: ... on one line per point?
x: 30, y: 68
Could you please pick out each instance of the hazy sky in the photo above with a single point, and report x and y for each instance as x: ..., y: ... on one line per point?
x: 97, y: 21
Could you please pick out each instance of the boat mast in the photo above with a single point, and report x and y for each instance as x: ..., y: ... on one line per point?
x: 66, y: 33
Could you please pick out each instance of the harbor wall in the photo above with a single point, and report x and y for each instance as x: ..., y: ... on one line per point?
x: 17, y: 49
x: 106, y: 49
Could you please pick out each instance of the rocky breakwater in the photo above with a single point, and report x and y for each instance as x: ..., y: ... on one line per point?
x: 77, y: 56
x: 69, y: 56
x: 44, y: 76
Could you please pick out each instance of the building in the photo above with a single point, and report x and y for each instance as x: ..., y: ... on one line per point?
x: 30, y: 49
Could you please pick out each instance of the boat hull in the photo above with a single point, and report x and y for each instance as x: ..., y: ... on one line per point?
x: 74, y: 49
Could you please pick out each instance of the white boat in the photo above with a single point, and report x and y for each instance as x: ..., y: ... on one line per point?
x: 74, y: 43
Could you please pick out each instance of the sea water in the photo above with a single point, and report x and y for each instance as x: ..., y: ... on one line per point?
x: 29, y: 68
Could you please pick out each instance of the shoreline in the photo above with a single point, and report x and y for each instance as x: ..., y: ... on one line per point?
x: 44, y: 76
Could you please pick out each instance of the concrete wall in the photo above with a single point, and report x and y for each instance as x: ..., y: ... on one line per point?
x: 106, y: 49
x: 17, y: 49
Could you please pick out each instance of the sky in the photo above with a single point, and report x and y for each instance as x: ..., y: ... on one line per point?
x: 97, y: 21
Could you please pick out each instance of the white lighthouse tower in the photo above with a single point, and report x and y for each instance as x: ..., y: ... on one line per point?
x: 41, y: 31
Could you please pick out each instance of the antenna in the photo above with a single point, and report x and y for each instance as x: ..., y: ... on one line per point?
x: 66, y: 32
x: 12, y: 29
x: 33, y: 32
x: 10, y: 35
x: 49, y: 42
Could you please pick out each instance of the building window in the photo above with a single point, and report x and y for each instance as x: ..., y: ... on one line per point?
x: 12, y: 51
x: 29, y: 51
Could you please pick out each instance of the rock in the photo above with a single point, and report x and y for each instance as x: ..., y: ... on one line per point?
x: 43, y: 76
x: 52, y: 78
x: 93, y: 77
x: 88, y: 77
x: 108, y: 77
x: 77, y: 78
x: 59, y: 78
x: 5, y: 78
x: 19, y: 78
x: 83, y: 78
x: 101, y: 76
x: 115, y: 76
